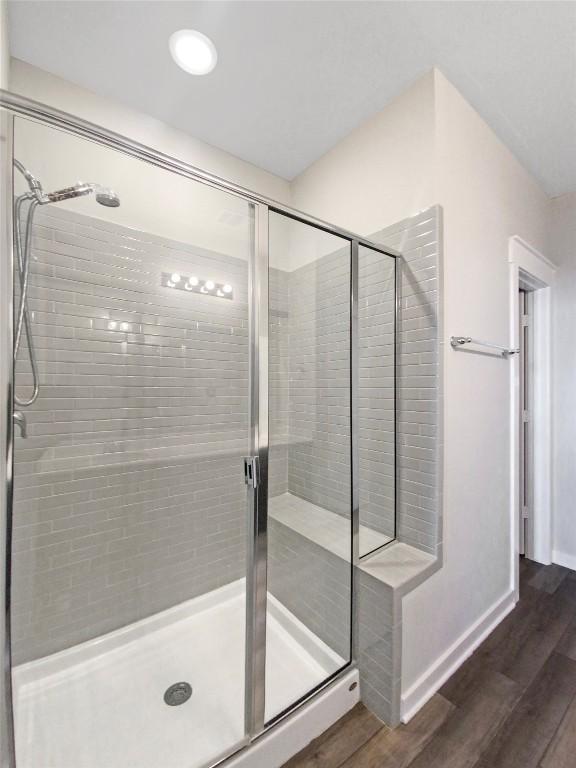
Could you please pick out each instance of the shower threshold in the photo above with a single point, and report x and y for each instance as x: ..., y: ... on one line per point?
x: 101, y: 704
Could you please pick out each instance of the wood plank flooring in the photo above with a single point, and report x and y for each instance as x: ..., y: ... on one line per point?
x: 511, y: 705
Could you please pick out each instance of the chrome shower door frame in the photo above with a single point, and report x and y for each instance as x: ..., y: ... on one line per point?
x: 257, y: 545
x: 12, y: 105
x: 7, y: 749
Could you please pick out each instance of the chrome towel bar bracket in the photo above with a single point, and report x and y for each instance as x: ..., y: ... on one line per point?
x: 458, y: 342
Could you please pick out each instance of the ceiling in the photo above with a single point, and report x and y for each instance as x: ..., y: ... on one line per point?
x: 295, y: 77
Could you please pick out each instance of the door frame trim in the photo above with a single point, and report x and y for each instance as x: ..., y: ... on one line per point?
x: 530, y: 267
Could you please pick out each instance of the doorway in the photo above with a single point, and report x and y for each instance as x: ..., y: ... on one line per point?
x: 531, y: 285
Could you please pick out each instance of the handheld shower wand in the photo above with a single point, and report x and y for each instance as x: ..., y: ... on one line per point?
x: 22, y: 246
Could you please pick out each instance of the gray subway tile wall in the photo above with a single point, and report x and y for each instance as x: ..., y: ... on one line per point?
x: 376, y: 390
x: 419, y: 444
x: 319, y: 371
x: 129, y: 490
x: 419, y: 451
x: 309, y: 431
x: 310, y: 372
x: 313, y: 583
x: 279, y: 381
x: 310, y: 384
x: 379, y: 647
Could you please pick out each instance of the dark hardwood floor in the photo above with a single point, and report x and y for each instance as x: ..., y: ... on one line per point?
x: 511, y: 705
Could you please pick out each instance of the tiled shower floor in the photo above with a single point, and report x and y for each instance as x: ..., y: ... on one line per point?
x: 100, y: 704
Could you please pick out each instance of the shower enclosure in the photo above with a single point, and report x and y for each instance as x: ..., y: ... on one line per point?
x: 201, y: 444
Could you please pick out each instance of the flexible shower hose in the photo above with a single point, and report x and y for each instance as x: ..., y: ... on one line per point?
x: 23, y: 265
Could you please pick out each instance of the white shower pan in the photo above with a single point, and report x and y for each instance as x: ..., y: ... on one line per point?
x: 101, y: 704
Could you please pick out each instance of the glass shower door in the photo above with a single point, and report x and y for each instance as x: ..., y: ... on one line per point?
x: 309, y: 615
x: 130, y: 508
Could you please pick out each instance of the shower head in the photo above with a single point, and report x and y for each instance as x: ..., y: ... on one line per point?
x: 107, y: 197
x: 104, y: 195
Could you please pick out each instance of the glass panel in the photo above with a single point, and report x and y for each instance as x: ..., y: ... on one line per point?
x: 376, y: 398
x: 130, y: 504
x: 309, y: 524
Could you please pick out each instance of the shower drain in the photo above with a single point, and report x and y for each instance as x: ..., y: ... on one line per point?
x: 177, y: 694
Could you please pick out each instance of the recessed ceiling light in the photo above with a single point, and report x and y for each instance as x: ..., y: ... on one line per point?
x: 193, y: 51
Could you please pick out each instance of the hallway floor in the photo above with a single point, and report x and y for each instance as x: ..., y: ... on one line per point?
x: 511, y: 705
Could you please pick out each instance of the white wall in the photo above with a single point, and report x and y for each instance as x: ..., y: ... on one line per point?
x: 429, y: 147
x: 381, y: 172
x: 42, y: 86
x: 396, y: 144
x: 487, y: 197
x: 152, y: 200
x: 563, y: 252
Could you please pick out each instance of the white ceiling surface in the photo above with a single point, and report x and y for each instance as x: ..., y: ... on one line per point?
x: 295, y: 77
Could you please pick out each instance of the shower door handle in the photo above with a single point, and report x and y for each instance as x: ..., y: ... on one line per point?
x: 251, y: 471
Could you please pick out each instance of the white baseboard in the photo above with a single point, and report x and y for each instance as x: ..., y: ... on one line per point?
x: 436, y: 675
x: 565, y: 559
